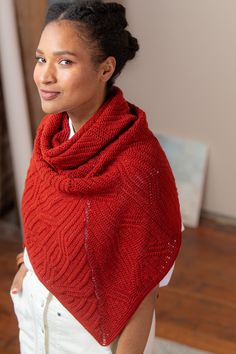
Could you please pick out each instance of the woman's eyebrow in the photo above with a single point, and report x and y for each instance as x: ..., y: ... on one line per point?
x: 61, y: 52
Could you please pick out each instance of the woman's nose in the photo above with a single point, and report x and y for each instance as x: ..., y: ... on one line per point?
x: 48, y: 75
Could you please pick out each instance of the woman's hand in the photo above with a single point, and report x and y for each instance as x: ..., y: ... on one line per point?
x: 18, y: 279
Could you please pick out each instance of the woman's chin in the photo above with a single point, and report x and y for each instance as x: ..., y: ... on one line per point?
x: 50, y: 110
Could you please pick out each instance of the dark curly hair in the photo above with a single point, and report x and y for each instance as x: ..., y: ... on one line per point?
x: 103, y: 26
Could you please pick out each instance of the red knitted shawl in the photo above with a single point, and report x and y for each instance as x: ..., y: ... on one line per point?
x: 101, y: 214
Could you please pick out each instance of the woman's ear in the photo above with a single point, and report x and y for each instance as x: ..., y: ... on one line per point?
x: 107, y: 68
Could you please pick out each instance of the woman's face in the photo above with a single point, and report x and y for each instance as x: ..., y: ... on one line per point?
x: 66, y: 77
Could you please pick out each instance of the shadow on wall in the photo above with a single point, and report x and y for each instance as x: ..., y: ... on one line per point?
x: 7, y: 188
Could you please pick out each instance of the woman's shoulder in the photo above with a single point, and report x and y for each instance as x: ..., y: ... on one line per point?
x: 146, y: 151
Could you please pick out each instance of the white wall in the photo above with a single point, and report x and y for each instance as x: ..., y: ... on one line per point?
x: 184, y: 77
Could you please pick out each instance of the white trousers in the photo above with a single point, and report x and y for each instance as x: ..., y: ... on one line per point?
x: 47, y: 327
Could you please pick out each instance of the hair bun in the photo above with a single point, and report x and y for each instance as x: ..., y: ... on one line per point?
x: 117, y: 14
x: 133, y: 46
x: 116, y: 8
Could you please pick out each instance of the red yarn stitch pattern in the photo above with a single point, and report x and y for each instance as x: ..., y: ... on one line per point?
x: 101, y: 214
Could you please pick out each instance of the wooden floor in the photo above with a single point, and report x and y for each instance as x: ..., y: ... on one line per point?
x: 197, y: 308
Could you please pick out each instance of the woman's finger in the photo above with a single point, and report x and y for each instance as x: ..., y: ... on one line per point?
x: 18, y: 279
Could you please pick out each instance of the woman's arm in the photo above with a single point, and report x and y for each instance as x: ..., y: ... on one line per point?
x: 134, y: 336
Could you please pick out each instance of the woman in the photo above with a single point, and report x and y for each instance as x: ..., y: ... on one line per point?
x: 102, y: 224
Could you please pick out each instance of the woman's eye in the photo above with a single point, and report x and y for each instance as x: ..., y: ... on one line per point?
x: 65, y: 62
x: 40, y: 59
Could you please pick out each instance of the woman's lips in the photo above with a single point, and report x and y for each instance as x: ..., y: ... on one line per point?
x: 48, y: 95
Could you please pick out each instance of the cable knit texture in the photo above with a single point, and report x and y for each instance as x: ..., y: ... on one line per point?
x: 101, y: 214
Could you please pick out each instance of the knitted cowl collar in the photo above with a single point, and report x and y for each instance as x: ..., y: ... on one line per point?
x: 77, y: 165
x: 101, y: 214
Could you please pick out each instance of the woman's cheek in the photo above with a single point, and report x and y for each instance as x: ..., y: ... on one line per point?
x: 35, y: 75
